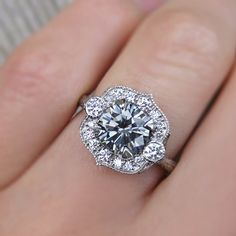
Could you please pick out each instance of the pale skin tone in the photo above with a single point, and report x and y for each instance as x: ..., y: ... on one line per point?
x: 183, y: 53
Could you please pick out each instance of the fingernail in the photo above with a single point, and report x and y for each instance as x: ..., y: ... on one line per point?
x: 149, y: 5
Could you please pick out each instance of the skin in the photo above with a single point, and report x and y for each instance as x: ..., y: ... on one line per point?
x: 183, y: 53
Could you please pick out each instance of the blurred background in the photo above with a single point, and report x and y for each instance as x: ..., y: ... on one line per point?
x: 20, y: 18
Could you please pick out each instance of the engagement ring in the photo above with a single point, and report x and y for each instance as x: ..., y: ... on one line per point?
x: 126, y: 131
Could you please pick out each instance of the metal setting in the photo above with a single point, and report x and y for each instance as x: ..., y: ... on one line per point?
x: 125, y: 130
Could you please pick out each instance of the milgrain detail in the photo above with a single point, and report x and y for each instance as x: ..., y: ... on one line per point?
x: 20, y: 18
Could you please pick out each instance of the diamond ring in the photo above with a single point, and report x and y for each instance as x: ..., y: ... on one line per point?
x: 125, y: 130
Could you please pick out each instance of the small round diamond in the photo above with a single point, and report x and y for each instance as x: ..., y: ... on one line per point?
x: 145, y: 102
x: 139, y: 160
x: 92, y: 124
x: 93, y: 144
x: 113, y: 94
x: 161, y: 130
x: 120, y: 93
x: 94, y: 106
x: 117, y: 163
x: 137, y: 168
x: 130, y: 96
x: 156, y: 114
x: 87, y: 133
x: 154, y: 152
x: 103, y: 157
x: 128, y: 166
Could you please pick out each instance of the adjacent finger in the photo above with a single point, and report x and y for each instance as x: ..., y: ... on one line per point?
x: 41, y: 84
x: 203, y: 189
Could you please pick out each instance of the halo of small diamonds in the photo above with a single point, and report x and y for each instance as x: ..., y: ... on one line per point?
x: 94, y: 106
x: 125, y: 130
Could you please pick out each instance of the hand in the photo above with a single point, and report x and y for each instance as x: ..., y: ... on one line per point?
x: 182, y: 53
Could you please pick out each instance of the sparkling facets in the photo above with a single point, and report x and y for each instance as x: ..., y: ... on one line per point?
x: 113, y: 94
x: 128, y: 166
x: 87, y: 132
x: 117, y: 163
x: 125, y: 129
x: 154, y: 152
x: 137, y: 168
x: 132, y: 166
x: 93, y: 144
x: 139, y: 160
x: 162, y: 124
x: 156, y: 114
x: 119, y: 93
x: 145, y: 102
x: 103, y: 156
x: 130, y: 96
x: 94, y: 106
x: 162, y: 130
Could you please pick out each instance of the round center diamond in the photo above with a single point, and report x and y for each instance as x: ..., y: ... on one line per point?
x: 125, y: 128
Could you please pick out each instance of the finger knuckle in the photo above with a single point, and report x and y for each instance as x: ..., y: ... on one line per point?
x: 183, y: 39
x: 28, y: 74
x: 189, y: 32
